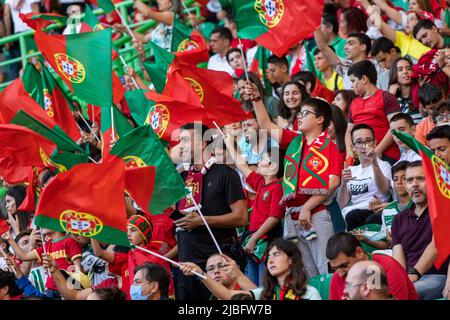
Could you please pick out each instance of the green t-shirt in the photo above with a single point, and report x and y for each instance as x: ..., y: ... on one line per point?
x: 390, y: 212
x: 338, y: 45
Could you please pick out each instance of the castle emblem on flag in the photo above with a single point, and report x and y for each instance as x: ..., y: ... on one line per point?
x: 48, y: 104
x: 187, y: 45
x: 197, y: 87
x: 80, y: 223
x: 70, y: 68
x: 270, y: 11
x: 158, y: 117
x: 442, y: 176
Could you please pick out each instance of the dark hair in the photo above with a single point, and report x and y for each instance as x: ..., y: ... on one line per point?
x: 192, y: 126
x: 317, y: 50
x: 296, y: 280
x: 342, y: 242
x: 277, y: 154
x: 402, y: 116
x: 230, y: 51
x: 321, y: 108
x: 413, y: 164
x: 360, y: 127
x: 155, y: 272
x: 429, y: 94
x: 441, y: 108
x: 356, y: 20
x: 22, y: 234
x: 363, y: 68
x: 305, y: 77
x: 241, y: 296
x: 224, y: 33
x: 283, y: 110
x: 439, y: 132
x: 46, y: 176
x: 331, y: 20
x: 382, y: 44
x: 426, y: 24
x: 253, y: 78
x: 19, y: 192
x: 363, y: 40
x: 340, y: 126
x: 393, y: 78
x: 399, y: 166
x: 348, y: 96
x: 8, y: 279
x: 112, y: 293
x: 274, y: 59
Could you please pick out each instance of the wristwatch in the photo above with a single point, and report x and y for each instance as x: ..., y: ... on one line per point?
x: 413, y: 270
x: 256, y: 99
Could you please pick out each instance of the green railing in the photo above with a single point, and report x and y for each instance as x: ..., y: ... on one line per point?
x: 124, y: 41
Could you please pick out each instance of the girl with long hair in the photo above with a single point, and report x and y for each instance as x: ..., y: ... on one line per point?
x: 293, y: 94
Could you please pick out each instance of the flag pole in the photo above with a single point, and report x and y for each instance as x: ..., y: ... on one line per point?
x: 168, y: 260
x: 113, y: 133
x: 6, y: 257
x: 126, y: 67
x: 206, y: 224
x: 45, y: 250
x: 243, y: 57
x: 89, y: 127
x: 218, y: 128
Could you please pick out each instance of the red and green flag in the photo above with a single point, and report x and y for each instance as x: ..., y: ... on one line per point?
x: 39, y: 21
x: 157, y: 69
x: 277, y: 24
x: 259, y: 67
x: 13, y: 173
x: 121, y: 127
x: 141, y: 148
x: 437, y: 174
x: 188, y: 44
x: 106, y: 5
x: 139, y: 184
x: 87, y: 200
x: 83, y: 61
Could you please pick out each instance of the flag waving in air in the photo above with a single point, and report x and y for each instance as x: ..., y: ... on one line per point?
x: 98, y: 212
x: 437, y: 175
x: 277, y: 24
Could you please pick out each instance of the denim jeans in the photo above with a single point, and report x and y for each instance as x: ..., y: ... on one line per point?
x: 255, y: 271
x: 430, y: 286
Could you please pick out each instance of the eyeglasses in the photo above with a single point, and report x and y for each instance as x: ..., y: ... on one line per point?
x: 361, y: 143
x: 442, y: 118
x: 304, y: 113
x: 213, y: 267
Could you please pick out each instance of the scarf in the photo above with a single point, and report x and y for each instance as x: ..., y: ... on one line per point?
x: 312, y: 172
x: 284, y: 294
x: 194, y: 183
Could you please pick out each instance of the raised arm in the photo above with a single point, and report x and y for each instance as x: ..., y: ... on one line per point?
x: 392, y: 13
x: 106, y: 255
x: 21, y: 254
x: 323, y: 47
x: 375, y: 16
x: 237, y: 158
x: 165, y: 17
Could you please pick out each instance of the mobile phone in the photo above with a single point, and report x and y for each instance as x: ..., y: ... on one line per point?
x: 176, y: 215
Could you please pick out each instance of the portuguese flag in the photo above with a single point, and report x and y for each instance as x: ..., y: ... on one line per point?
x: 106, y: 5
x: 32, y: 83
x: 259, y: 67
x: 188, y: 44
x: 157, y: 69
x: 41, y: 20
x: 13, y: 173
x: 140, y: 148
x: 139, y: 182
x: 437, y: 175
x: 277, y: 24
x: 121, y: 127
x: 98, y: 212
x: 83, y: 61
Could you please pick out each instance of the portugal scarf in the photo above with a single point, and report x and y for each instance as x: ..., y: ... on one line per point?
x: 307, y: 174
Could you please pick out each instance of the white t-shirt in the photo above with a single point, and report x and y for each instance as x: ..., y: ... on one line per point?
x: 382, y: 74
x: 220, y: 64
x: 363, y: 188
x: 311, y: 293
x: 19, y: 25
x: 409, y: 155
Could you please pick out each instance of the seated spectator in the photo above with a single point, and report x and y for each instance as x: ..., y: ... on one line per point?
x: 426, y: 32
x: 330, y: 30
x: 401, y: 86
x: 333, y: 81
x: 236, y: 61
x: 18, y: 220
x: 277, y: 73
x: 366, y: 280
x: 151, y: 282
x: 113, y: 293
x: 365, y: 182
x: 373, y: 107
x: 343, y: 99
x: 385, y: 52
x: 284, y: 277
x: 8, y: 287
x: 220, y: 41
x: 404, y: 123
x: 344, y: 250
x: 441, y: 114
x: 439, y: 142
x: 313, y: 86
x: 412, y: 238
x: 430, y: 97
x: 292, y: 96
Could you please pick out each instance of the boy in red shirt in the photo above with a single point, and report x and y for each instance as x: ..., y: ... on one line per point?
x: 312, y: 171
x: 373, y: 107
x: 267, y: 212
x: 63, y: 249
x: 140, y: 231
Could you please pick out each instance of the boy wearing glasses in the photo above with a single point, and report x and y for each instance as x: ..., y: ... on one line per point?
x: 370, y: 180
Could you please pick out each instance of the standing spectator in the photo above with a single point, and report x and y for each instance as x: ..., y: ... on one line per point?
x: 430, y: 97
x: 426, y: 32
x: 344, y: 250
x: 18, y: 220
x: 343, y: 99
x: 439, y: 142
x: 219, y: 192
x: 220, y: 42
x: 277, y: 73
x: 330, y: 30
x: 404, y: 123
x: 353, y: 20
x: 8, y: 286
x: 236, y: 61
x: 385, y: 52
x: 367, y: 181
x: 292, y: 96
x: 412, y: 235
x: 333, y: 81
x: 373, y: 107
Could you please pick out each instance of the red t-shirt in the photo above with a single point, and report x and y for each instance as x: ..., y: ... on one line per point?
x: 267, y: 201
x: 400, y: 286
x: 373, y: 111
x: 336, y: 165
x: 164, y: 229
x: 64, y: 251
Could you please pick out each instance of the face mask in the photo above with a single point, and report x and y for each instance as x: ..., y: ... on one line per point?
x: 136, y: 292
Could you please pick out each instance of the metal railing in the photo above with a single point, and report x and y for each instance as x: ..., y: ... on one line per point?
x: 123, y: 41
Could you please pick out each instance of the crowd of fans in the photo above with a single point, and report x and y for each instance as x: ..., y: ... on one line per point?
x: 371, y: 67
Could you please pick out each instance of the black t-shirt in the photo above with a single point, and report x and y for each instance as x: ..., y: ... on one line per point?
x: 221, y: 187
